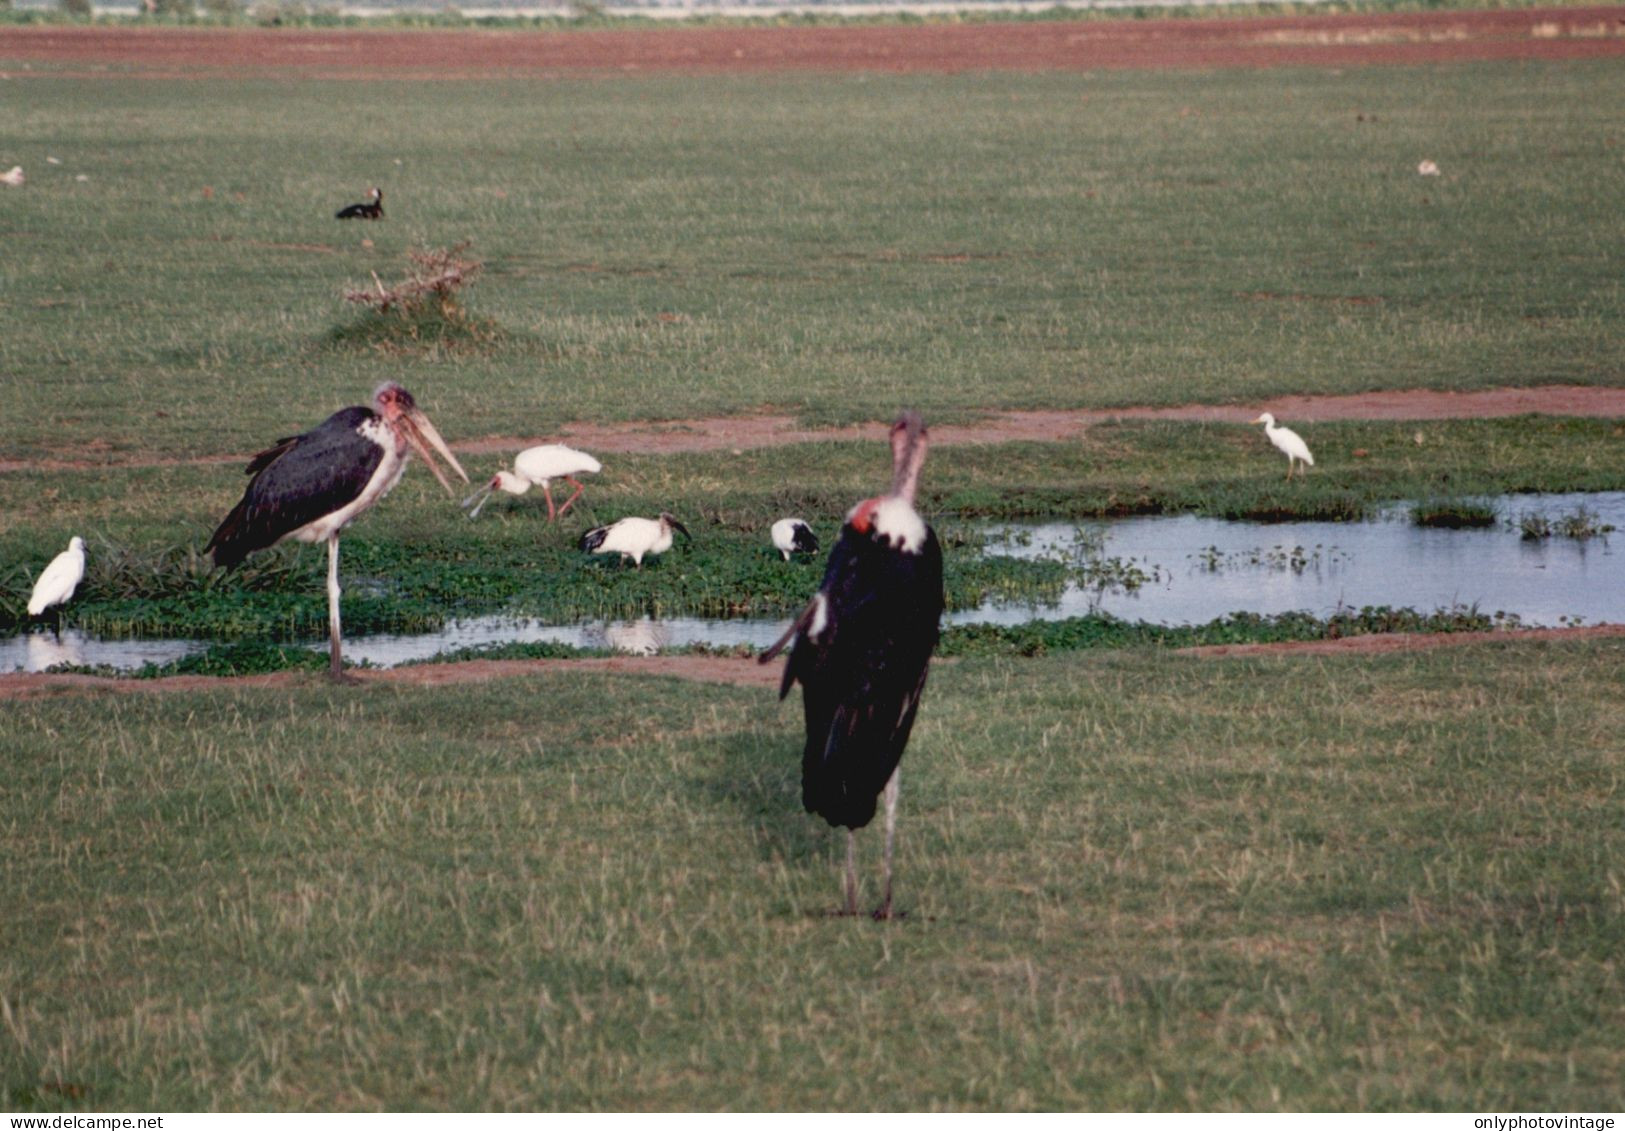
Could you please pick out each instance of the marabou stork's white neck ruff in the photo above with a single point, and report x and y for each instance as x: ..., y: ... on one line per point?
x: 538, y: 467
x: 1288, y: 441
x: 310, y: 487
x: 861, y: 651
x: 634, y: 537
x: 57, y: 581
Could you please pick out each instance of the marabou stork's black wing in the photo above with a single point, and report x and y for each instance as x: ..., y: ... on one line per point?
x: 862, y: 672
x: 297, y: 481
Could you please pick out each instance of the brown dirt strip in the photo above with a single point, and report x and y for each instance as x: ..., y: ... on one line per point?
x: 739, y: 671
x: 1316, y: 39
x: 738, y: 433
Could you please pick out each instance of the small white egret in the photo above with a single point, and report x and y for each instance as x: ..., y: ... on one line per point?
x: 633, y: 537
x: 793, y: 536
x: 59, y: 579
x: 1287, y: 441
x: 538, y: 467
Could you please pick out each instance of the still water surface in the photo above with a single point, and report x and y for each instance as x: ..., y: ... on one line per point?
x: 1196, y: 569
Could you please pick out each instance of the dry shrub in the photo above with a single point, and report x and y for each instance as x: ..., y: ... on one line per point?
x: 422, y: 312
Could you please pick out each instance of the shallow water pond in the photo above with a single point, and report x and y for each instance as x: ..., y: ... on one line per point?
x: 1165, y: 570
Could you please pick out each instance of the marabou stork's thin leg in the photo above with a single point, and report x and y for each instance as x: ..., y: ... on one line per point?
x: 851, y: 872
x: 892, y: 789
x: 333, y: 602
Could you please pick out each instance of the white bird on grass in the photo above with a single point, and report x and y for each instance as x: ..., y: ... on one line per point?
x: 14, y: 177
x: 793, y: 536
x: 538, y: 467
x: 1288, y: 441
x: 633, y: 537
x: 57, y: 583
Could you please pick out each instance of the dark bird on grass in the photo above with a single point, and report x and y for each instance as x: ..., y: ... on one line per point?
x: 861, y: 652
x: 370, y: 209
x: 634, y: 537
x: 58, y: 580
x: 538, y: 467
x: 792, y: 536
x: 311, y: 487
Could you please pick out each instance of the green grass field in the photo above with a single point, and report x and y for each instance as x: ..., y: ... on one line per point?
x: 670, y: 247
x: 1131, y: 879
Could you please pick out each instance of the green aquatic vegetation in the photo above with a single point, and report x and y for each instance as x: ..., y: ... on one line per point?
x: 1453, y: 514
x: 1279, y: 558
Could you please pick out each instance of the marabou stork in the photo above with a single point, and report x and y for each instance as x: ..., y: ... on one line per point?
x: 370, y: 209
x: 861, y: 652
x: 792, y: 536
x: 58, y: 580
x: 1288, y: 441
x: 311, y: 487
x: 538, y: 467
x: 633, y: 537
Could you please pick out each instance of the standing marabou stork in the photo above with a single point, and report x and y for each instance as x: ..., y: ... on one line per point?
x: 311, y: 487
x: 57, y: 581
x: 792, y: 536
x: 633, y: 537
x: 538, y: 467
x: 861, y: 652
x: 1289, y: 442
x: 370, y: 209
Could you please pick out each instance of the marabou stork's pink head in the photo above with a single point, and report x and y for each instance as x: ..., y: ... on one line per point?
x: 407, y: 420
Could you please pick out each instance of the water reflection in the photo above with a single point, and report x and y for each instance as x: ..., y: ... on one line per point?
x: 1192, y: 571
x: 1203, y: 568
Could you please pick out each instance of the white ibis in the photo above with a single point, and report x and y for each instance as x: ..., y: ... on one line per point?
x: 14, y: 177
x: 633, y: 537
x: 311, y: 487
x: 538, y: 467
x: 861, y: 652
x: 792, y: 536
x: 370, y: 209
x: 58, y: 580
x: 1288, y: 441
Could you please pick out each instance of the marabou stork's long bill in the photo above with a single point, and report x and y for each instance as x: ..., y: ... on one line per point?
x: 861, y: 652
x: 311, y: 487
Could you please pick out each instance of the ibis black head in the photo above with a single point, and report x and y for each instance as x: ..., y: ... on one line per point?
x: 672, y: 522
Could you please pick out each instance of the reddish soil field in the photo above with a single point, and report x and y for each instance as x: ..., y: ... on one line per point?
x: 1312, y: 40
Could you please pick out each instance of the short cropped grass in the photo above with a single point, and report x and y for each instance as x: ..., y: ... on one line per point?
x: 663, y: 247
x: 1132, y: 880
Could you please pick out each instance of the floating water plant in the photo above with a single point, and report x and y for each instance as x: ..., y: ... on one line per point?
x: 1582, y: 525
x: 1453, y: 514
